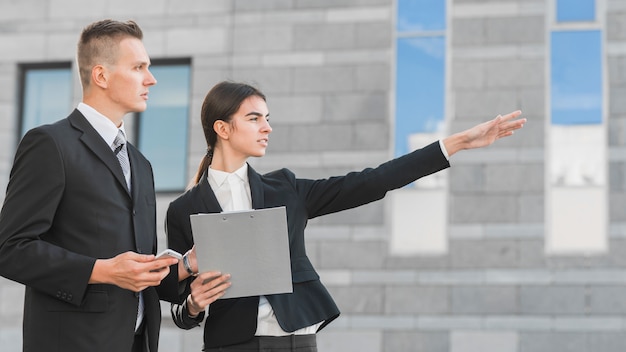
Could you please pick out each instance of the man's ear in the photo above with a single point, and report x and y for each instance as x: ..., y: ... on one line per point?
x: 222, y: 128
x: 99, y: 76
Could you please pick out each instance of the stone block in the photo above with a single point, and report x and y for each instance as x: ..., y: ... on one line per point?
x: 373, y: 77
x: 470, y: 341
x: 468, y: 74
x: 267, y: 38
x: 356, y: 107
x: 515, y: 30
x: 483, y: 254
x: 515, y: 73
x: 324, y: 36
x: 358, y: 299
x: 607, y: 299
x: 468, y: 32
x: 417, y: 299
x: 484, y: 208
x: 351, y: 255
x: 484, y: 300
x: 373, y: 35
x: 328, y: 79
x: 563, y: 300
x: 415, y: 341
x: 552, y: 341
x: 362, y: 340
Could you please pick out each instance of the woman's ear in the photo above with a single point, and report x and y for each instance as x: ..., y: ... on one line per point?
x: 222, y: 129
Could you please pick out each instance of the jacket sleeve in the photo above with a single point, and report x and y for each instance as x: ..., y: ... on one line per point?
x: 181, y: 317
x: 35, y: 190
x: 179, y: 239
x: 354, y: 189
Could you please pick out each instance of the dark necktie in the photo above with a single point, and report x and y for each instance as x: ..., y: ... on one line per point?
x: 119, y: 148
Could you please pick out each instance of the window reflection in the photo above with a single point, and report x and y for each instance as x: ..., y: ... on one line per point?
x: 419, y: 89
x: 575, y: 10
x: 46, y: 95
x: 420, y: 73
x: 162, y: 128
x: 576, y: 82
x: 421, y: 15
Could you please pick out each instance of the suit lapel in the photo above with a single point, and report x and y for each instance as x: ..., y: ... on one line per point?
x: 96, y: 144
x: 207, y: 196
x: 256, y: 189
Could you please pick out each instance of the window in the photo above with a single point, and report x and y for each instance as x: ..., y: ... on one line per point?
x: 420, y: 72
x: 46, y: 94
x: 421, y: 15
x: 576, y: 81
x: 575, y: 10
x: 162, y: 128
x: 419, y: 119
x: 577, y: 148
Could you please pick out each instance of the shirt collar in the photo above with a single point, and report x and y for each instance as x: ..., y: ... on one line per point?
x: 219, y: 177
x: 105, y: 127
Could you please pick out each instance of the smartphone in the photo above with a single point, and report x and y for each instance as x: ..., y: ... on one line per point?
x: 169, y: 253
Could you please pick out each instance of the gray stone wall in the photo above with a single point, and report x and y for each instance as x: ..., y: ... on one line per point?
x: 327, y: 68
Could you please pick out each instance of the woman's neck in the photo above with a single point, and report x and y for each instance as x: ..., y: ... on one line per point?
x: 227, y: 164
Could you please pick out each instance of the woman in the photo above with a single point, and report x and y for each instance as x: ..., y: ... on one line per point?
x: 236, y: 127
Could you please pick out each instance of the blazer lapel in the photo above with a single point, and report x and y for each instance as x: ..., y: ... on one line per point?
x: 207, y: 196
x: 141, y: 183
x: 96, y: 144
x: 256, y: 189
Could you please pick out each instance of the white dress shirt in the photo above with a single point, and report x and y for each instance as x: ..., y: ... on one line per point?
x: 108, y: 131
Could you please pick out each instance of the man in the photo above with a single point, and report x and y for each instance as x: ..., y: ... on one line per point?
x: 78, y: 224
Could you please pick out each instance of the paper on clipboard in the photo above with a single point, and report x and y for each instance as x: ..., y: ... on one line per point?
x: 252, y: 246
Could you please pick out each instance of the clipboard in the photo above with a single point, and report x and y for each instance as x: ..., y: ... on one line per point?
x: 252, y: 246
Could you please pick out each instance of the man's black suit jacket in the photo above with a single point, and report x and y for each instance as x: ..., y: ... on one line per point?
x: 66, y: 205
x: 232, y: 321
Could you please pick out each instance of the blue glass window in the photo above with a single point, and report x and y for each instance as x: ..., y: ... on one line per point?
x: 419, y: 88
x: 420, y: 69
x: 46, y: 95
x: 575, y: 10
x: 162, y: 128
x: 421, y: 15
x: 576, y: 77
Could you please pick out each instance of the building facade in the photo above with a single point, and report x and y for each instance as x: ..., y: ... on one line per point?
x: 518, y: 247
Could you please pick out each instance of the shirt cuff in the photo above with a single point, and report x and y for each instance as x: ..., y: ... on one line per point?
x: 443, y: 150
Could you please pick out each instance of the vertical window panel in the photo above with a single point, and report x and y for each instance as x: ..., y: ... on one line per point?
x: 576, y: 77
x: 46, y: 95
x: 419, y: 120
x: 162, y: 129
x: 421, y: 15
x: 575, y: 10
x: 419, y: 88
x: 577, y: 148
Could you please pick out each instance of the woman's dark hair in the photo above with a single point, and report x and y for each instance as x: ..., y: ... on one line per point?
x: 221, y: 103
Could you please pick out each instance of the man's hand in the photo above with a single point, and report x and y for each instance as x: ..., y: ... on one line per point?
x: 131, y: 271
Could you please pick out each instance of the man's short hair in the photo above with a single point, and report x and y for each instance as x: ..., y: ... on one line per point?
x: 99, y: 44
